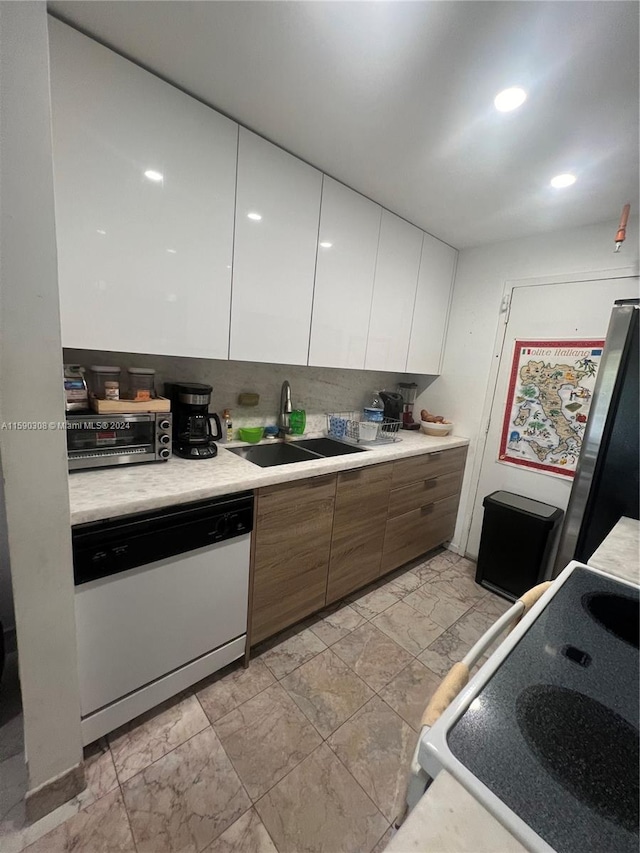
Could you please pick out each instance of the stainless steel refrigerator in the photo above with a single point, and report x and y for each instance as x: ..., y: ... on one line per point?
x: 606, y: 485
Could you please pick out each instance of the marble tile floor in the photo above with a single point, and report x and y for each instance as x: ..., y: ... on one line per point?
x: 306, y: 751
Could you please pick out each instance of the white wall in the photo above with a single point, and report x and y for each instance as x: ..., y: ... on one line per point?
x: 6, y: 594
x: 459, y: 393
x: 34, y: 462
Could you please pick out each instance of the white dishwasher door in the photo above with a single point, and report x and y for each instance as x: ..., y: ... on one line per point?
x: 136, y: 626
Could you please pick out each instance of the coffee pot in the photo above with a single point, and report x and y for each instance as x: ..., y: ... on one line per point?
x: 193, y: 437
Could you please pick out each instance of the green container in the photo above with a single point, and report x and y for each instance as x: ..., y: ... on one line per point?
x: 251, y: 434
x: 298, y: 421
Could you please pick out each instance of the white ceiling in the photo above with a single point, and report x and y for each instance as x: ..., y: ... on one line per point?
x: 396, y: 98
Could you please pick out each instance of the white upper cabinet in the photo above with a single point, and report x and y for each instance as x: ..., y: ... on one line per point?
x: 160, y: 199
x: 277, y: 213
x: 345, y: 269
x: 433, y: 296
x: 145, y: 190
x: 393, y: 294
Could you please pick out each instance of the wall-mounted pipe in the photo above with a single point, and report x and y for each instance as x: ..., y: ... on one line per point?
x: 622, y: 227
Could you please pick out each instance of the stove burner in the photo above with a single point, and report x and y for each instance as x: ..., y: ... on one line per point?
x: 618, y: 614
x: 586, y: 747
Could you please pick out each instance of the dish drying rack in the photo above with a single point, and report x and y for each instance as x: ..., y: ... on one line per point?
x: 344, y: 426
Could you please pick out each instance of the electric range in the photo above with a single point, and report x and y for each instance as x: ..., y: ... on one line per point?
x: 546, y: 734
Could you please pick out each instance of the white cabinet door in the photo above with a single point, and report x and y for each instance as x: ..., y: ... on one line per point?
x: 277, y: 212
x: 144, y: 264
x: 393, y: 294
x: 433, y: 295
x: 345, y: 269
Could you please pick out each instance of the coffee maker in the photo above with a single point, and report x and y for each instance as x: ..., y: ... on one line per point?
x: 392, y: 405
x: 193, y: 437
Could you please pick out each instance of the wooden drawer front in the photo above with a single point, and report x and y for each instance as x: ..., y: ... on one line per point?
x: 291, y: 553
x: 277, y: 498
x: 414, y: 533
x: 428, y: 466
x: 425, y: 492
x: 362, y: 499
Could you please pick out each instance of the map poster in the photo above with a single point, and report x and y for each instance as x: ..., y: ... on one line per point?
x: 550, y: 391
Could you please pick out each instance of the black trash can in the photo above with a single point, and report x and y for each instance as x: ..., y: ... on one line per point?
x: 517, y: 537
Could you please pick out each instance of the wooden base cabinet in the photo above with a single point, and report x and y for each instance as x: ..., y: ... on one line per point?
x: 317, y: 540
x: 417, y: 468
x: 362, y: 501
x: 292, y: 542
x: 418, y: 531
x: 423, y: 505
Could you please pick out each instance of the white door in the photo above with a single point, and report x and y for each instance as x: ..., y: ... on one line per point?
x: 277, y: 214
x: 394, y: 294
x: 433, y: 296
x: 145, y: 193
x: 572, y: 310
x: 345, y: 269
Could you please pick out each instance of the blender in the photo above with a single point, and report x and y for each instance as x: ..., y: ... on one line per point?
x: 408, y: 390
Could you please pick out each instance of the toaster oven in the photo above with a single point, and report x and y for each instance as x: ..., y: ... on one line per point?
x: 96, y: 441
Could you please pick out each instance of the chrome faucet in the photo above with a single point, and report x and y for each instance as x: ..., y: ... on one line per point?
x: 285, y: 409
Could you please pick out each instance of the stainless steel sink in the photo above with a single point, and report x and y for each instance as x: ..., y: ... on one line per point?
x: 285, y: 453
x: 328, y: 446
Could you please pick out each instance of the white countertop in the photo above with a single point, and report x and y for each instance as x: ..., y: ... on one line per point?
x: 108, y: 492
x: 448, y: 819
x: 619, y: 552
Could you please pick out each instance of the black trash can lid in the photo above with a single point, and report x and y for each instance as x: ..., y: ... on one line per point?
x: 522, y: 504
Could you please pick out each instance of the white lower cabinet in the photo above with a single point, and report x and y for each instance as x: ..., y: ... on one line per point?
x: 433, y: 296
x: 144, y: 193
x: 277, y: 214
x: 345, y: 270
x: 393, y: 294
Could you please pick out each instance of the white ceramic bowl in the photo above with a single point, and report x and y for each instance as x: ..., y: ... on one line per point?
x: 435, y: 429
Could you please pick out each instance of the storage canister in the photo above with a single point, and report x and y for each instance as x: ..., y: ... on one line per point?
x: 100, y: 375
x: 142, y: 383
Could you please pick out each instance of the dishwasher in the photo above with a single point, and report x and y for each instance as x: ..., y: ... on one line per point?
x: 161, y: 601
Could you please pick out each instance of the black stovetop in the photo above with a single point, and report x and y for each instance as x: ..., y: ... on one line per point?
x: 554, y: 732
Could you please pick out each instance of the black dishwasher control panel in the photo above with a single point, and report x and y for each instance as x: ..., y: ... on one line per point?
x: 103, y: 548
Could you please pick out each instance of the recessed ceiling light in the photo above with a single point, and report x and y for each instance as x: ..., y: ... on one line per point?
x: 100, y: 231
x: 172, y: 251
x: 564, y: 180
x: 510, y: 99
x: 153, y: 175
x: 326, y: 245
x: 255, y: 216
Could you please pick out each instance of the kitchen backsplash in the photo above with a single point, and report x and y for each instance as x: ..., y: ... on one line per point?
x: 317, y: 390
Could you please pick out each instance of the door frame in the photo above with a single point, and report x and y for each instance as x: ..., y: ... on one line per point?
x: 496, y: 357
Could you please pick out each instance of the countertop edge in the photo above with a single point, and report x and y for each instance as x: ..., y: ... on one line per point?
x: 115, y: 492
x: 449, y: 819
x: 618, y: 554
